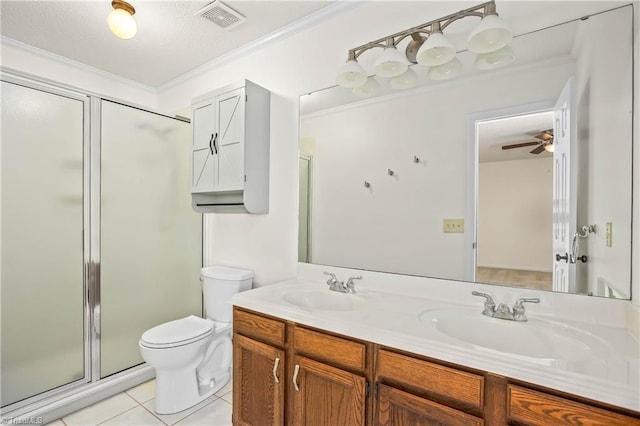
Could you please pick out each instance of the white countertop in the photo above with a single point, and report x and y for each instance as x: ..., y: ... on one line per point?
x: 390, y: 315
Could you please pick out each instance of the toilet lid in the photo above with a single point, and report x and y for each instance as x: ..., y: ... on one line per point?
x: 178, y: 332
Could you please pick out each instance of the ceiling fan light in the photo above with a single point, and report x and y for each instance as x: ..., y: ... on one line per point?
x: 549, y: 147
x: 369, y: 89
x: 404, y: 81
x: 490, y: 35
x: 390, y: 63
x: 497, y: 59
x: 436, y: 50
x: 121, y: 21
x: 446, y: 71
x: 351, y: 75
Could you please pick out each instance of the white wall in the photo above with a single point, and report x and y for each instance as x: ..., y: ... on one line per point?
x: 604, y: 117
x: 514, y: 214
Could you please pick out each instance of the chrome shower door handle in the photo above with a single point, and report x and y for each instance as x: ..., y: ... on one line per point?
x: 276, y: 362
x: 210, y: 144
x: 215, y: 146
x: 296, y: 370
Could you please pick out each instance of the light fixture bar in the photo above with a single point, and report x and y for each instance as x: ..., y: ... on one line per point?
x: 480, y: 11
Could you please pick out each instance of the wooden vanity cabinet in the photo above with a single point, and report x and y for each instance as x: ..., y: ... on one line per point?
x: 287, y: 374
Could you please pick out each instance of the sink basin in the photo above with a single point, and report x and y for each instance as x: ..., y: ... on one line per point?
x: 534, y: 340
x: 325, y: 300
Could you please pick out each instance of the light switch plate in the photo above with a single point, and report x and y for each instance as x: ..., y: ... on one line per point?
x: 452, y: 226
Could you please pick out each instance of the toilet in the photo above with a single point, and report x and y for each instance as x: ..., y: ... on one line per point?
x: 192, y: 356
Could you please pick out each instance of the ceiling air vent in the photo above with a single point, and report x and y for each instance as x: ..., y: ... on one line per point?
x: 221, y: 15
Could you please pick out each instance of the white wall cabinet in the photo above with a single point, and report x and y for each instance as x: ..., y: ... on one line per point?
x: 230, y: 150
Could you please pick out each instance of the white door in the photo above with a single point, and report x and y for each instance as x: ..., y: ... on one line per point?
x: 202, y: 152
x: 230, y: 142
x: 564, y: 194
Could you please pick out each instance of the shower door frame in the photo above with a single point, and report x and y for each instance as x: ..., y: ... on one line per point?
x: 88, y: 336
x: 91, y: 388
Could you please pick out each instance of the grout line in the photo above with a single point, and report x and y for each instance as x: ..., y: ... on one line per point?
x: 154, y: 414
x: 125, y: 411
x: 206, y: 405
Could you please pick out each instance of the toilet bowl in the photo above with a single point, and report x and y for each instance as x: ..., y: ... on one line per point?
x: 192, y: 356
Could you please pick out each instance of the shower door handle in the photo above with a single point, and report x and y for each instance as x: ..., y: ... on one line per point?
x: 210, y: 144
x: 215, y: 147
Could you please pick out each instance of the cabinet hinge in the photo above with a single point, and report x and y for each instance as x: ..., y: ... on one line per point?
x: 367, y: 389
x: 375, y: 391
x: 245, y: 178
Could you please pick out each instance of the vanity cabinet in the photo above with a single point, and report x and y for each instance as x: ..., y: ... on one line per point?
x: 230, y: 149
x: 288, y: 374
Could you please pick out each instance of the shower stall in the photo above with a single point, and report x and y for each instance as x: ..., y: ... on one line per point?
x: 98, y: 243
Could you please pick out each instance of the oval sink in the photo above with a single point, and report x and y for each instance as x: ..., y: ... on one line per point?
x: 532, y: 340
x: 325, y: 300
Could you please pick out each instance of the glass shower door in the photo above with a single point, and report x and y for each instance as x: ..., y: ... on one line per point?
x: 42, y: 306
x: 151, y: 239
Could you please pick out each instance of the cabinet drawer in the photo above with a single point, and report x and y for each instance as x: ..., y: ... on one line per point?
x: 536, y: 408
x: 457, y: 385
x: 259, y: 327
x: 336, y: 350
x: 397, y: 408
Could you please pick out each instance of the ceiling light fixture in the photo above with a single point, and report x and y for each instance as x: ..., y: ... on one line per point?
x: 430, y: 47
x: 121, y: 21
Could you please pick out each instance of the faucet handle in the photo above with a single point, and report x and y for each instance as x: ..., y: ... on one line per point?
x: 519, y: 302
x: 355, y: 277
x: 489, y: 304
x: 332, y: 275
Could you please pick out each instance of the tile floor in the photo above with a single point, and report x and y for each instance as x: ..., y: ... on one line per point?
x: 135, y: 407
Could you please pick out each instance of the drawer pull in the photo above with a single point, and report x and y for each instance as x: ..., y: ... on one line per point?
x: 296, y: 370
x: 276, y: 362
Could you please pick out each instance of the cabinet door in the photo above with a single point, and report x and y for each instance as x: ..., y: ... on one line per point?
x: 230, y: 109
x: 202, y: 153
x: 258, y: 397
x: 327, y: 396
x: 398, y: 408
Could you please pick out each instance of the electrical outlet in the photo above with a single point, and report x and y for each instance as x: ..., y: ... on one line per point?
x: 450, y: 226
x: 609, y: 234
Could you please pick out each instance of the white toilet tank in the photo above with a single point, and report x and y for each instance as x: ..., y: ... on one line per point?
x: 219, y: 284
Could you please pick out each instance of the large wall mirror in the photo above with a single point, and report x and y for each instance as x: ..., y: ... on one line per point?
x: 475, y: 178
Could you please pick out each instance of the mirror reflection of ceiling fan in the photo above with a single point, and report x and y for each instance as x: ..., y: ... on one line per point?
x: 544, y: 142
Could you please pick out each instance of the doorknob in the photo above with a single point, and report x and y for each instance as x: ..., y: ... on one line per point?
x: 565, y: 257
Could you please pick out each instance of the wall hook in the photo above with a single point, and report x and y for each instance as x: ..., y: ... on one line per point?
x: 367, y: 184
x: 416, y: 159
x: 390, y: 172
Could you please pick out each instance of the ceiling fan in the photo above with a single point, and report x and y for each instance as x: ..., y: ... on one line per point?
x: 544, y: 142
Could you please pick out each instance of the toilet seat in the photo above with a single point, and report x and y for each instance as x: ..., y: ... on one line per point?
x: 178, y: 333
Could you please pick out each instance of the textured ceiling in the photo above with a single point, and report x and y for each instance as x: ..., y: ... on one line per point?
x: 170, y: 39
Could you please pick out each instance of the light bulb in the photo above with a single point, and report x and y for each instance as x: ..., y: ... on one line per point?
x: 121, y: 21
x: 351, y: 75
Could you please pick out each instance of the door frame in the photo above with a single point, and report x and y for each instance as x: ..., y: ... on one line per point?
x: 471, y: 204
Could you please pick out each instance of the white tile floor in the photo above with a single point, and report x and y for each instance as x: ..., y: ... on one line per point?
x: 134, y: 407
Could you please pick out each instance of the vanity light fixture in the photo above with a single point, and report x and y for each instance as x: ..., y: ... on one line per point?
x: 121, y: 21
x: 430, y: 47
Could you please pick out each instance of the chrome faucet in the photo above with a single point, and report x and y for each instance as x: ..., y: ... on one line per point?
x: 339, y: 286
x: 503, y: 311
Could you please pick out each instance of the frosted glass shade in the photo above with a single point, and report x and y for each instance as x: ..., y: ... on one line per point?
x: 497, y: 59
x: 446, y: 71
x: 351, y: 75
x: 405, y: 81
x: 490, y: 35
x: 390, y: 63
x: 436, y: 50
x: 122, y: 24
x: 369, y: 89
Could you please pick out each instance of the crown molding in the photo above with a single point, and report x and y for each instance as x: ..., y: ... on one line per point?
x: 9, y: 42
x: 281, y: 33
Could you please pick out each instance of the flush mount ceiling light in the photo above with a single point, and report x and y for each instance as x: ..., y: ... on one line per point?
x: 121, y: 21
x: 430, y: 47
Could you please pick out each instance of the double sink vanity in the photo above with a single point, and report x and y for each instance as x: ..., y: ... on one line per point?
x: 395, y: 350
